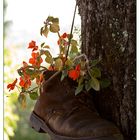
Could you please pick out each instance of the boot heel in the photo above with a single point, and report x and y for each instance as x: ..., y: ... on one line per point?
x: 35, y: 123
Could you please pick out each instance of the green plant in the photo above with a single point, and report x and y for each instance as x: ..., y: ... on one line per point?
x: 70, y: 62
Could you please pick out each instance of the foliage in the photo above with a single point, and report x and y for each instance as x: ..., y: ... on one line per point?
x: 69, y: 62
x: 10, y: 118
x: 16, y: 125
x: 23, y: 130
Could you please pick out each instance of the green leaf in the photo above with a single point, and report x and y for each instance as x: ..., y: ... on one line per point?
x: 105, y: 83
x: 50, y: 18
x: 79, y: 89
x: 19, y: 72
x: 58, y: 64
x: 80, y: 80
x: 95, y: 62
x: 42, y: 44
x: 74, y: 42
x: 49, y: 58
x: 47, y: 46
x: 95, y: 72
x: 68, y: 63
x: 64, y: 74
x: 30, y: 72
x: 87, y: 85
x: 55, y: 20
x: 45, y: 31
x: 94, y: 83
x: 54, y: 28
x: 74, y: 49
x: 33, y: 95
x: 41, y: 30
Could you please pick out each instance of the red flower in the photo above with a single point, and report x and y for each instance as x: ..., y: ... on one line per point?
x: 77, y: 68
x: 25, y: 82
x: 74, y: 74
x: 62, y: 42
x: 32, y: 45
x: 36, y: 59
x: 12, y: 85
x: 64, y: 35
x: 58, y: 42
x: 23, y: 68
x: 62, y: 39
x: 51, y: 68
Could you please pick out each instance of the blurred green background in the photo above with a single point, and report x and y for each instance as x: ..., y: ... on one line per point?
x: 16, y: 119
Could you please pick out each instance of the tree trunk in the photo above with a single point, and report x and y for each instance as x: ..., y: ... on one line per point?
x: 108, y: 29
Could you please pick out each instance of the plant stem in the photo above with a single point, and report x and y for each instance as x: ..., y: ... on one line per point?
x: 52, y: 77
x: 18, y: 88
x: 80, y: 56
x: 59, y: 35
x: 71, y: 32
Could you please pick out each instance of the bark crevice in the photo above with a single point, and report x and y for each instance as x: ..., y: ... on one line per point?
x: 108, y: 30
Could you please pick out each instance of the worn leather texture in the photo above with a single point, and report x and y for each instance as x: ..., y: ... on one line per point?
x: 67, y: 114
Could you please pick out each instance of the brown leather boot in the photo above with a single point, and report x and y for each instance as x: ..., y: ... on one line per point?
x: 59, y: 113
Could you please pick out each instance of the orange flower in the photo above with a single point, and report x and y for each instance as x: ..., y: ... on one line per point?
x: 58, y: 42
x: 12, y: 85
x: 32, y: 45
x: 51, y: 68
x: 62, y: 39
x: 64, y: 35
x: 25, y: 82
x: 74, y: 74
x: 36, y: 59
x: 22, y: 70
x: 62, y: 42
x: 77, y: 68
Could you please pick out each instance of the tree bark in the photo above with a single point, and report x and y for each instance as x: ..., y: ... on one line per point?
x: 108, y: 30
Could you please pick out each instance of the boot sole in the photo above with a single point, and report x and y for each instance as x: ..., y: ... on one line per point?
x: 40, y: 126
